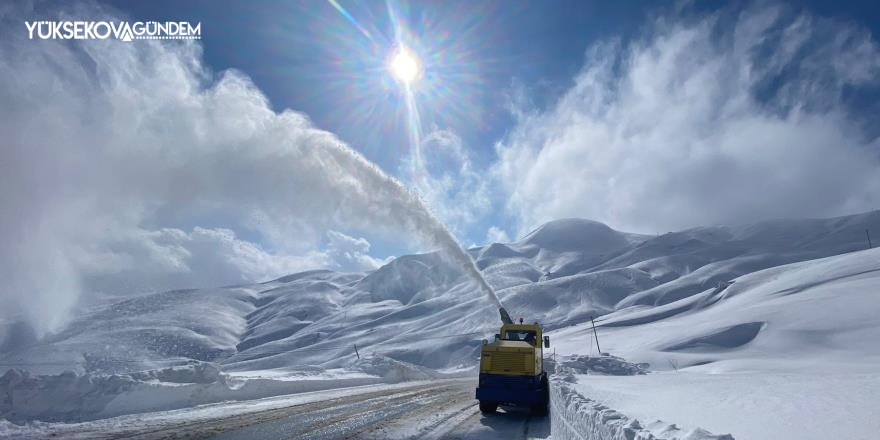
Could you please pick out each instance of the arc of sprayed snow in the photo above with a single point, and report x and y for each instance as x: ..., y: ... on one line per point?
x: 411, y: 210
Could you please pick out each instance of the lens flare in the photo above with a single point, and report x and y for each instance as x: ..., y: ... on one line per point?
x: 405, y: 66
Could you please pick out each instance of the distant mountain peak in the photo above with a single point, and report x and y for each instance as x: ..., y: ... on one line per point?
x: 576, y: 234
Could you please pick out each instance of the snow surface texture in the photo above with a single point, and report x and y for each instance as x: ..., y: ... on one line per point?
x: 609, y: 365
x: 786, y: 352
x: 576, y: 417
x: 761, y: 299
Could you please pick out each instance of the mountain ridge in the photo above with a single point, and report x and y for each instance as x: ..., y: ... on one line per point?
x: 555, y: 275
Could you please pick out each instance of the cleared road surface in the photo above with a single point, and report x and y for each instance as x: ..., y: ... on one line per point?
x: 442, y: 410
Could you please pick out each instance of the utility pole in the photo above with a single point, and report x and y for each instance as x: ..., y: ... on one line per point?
x: 596, y: 336
x: 869, y: 238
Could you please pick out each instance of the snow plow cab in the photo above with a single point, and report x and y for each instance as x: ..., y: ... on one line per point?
x: 512, y: 369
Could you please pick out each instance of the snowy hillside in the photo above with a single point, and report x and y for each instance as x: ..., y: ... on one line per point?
x: 560, y: 274
x: 786, y: 352
x: 706, y: 300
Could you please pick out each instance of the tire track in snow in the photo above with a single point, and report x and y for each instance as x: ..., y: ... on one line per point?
x: 233, y: 422
x: 440, y: 410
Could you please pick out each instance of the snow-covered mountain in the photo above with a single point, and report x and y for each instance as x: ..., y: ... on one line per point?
x: 420, y: 309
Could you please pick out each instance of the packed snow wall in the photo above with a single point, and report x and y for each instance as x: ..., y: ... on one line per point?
x: 575, y: 417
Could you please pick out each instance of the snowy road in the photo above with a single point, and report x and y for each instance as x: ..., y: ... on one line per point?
x: 440, y: 410
x: 443, y: 411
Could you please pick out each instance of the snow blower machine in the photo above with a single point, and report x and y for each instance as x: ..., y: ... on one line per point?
x: 512, y: 368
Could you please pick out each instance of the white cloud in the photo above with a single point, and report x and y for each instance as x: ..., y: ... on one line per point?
x: 703, y: 122
x: 109, y: 147
x: 497, y: 235
x: 351, y: 254
x: 140, y: 260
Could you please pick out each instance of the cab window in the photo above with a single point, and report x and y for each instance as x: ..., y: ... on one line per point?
x: 520, y: 335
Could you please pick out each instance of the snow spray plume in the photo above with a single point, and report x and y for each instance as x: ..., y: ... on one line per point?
x: 408, y: 208
x: 93, y: 172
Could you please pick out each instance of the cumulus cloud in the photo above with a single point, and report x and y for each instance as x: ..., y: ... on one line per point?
x: 137, y: 260
x: 127, y: 166
x: 351, y: 254
x: 497, y: 235
x: 731, y: 118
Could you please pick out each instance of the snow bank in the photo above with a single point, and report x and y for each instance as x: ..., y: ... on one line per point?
x: 758, y: 405
x: 72, y: 397
x: 579, y: 418
x: 393, y: 370
x: 605, y: 364
x: 57, y: 397
x: 192, y: 372
x: 575, y: 417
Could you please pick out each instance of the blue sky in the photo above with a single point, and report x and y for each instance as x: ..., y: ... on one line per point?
x: 186, y: 165
x: 308, y: 57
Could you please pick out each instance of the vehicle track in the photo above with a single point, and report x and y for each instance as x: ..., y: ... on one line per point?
x: 235, y: 422
x: 445, y: 410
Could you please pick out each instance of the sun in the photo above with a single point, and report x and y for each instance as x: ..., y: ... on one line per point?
x: 404, y: 66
